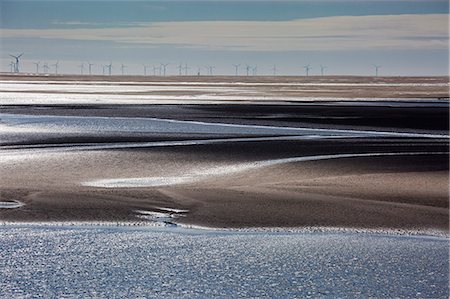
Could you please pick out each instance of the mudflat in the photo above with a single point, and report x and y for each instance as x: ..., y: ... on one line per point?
x: 335, y: 163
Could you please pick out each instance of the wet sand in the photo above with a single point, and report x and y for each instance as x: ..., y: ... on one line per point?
x: 382, y: 192
x: 50, y: 167
x: 217, y: 89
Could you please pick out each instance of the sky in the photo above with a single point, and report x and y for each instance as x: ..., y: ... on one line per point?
x: 346, y: 37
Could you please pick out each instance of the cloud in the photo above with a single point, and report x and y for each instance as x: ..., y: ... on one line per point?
x: 429, y: 31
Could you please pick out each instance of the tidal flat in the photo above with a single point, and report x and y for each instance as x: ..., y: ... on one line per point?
x: 263, y: 187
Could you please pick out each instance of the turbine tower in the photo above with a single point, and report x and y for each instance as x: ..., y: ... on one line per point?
x: 90, y: 67
x: 180, y: 69
x: 255, y: 70
x: 377, y: 67
x: 163, y: 68
x: 46, y: 68
x: 37, y: 66
x: 81, y: 66
x: 16, y: 64
x: 210, y: 69
x: 307, y: 69
x: 156, y: 68
x: 186, y: 68
x: 322, y: 69
x: 122, y: 69
x: 12, y: 66
x: 247, y: 68
x: 274, y: 70
x: 56, y: 67
x: 236, y: 69
x: 109, y: 67
x: 145, y: 69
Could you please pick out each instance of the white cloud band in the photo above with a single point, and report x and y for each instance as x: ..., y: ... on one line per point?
x: 428, y: 31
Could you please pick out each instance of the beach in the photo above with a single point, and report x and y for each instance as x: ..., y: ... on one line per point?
x: 194, y: 187
x: 378, y: 163
x: 224, y: 149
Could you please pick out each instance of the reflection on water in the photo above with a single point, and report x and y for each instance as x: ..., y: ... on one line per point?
x: 73, y: 124
x: 10, y: 204
x: 132, y: 262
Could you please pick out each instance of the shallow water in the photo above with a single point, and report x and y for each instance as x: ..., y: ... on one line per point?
x: 107, y: 262
x: 74, y: 124
x: 11, y: 204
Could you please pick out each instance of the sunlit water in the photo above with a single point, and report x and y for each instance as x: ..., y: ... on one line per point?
x: 94, y: 92
x: 110, y: 262
x: 77, y: 124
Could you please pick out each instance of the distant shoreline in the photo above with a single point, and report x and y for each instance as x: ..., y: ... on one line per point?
x: 230, y: 89
x: 227, y: 78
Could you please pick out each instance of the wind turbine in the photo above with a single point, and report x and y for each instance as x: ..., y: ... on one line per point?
x: 322, y: 69
x: 247, y: 68
x: 377, y: 67
x: 274, y: 70
x: 180, y: 68
x: 163, y: 66
x: 255, y: 70
x: 12, y: 66
x: 90, y: 67
x: 46, y: 68
x: 81, y: 66
x: 236, y: 69
x: 109, y: 67
x: 307, y: 69
x: 156, y: 68
x: 122, y: 68
x: 210, y: 69
x: 145, y: 69
x: 56, y: 67
x: 186, y: 68
x: 16, y: 65
x: 37, y: 66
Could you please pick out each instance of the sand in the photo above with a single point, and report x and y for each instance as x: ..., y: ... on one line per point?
x: 260, y: 89
x: 393, y: 192
x: 380, y: 192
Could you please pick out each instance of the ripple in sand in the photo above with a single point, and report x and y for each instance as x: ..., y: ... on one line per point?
x: 137, y: 182
x: 231, y: 169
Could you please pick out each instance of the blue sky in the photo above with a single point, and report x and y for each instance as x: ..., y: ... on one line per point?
x: 405, y: 37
